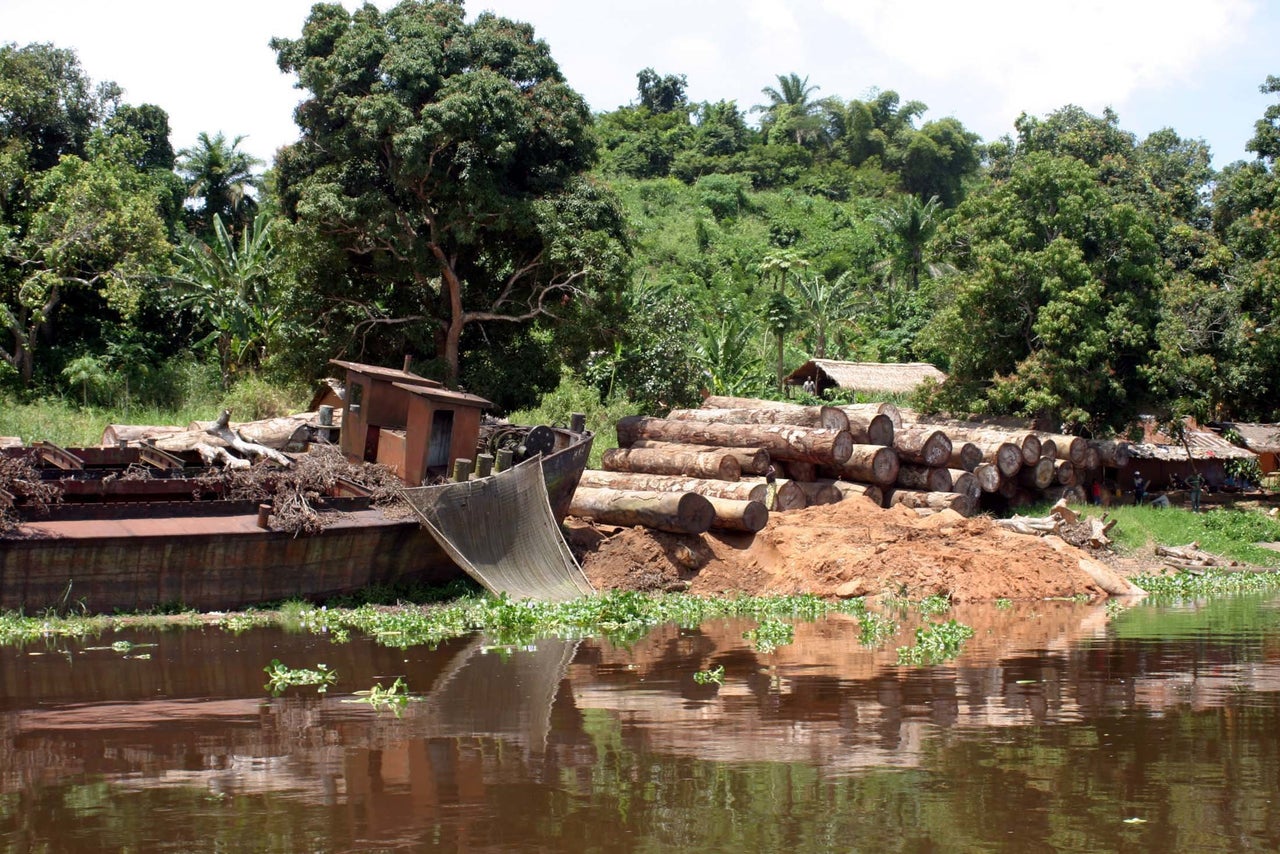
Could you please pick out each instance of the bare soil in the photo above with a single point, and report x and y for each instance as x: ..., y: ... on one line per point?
x: 852, y: 548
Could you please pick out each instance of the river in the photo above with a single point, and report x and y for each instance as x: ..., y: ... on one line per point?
x: 1062, y: 726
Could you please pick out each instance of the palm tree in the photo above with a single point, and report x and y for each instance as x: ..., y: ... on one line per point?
x: 790, y: 111
x: 908, y: 226
x: 728, y: 354
x: 221, y: 176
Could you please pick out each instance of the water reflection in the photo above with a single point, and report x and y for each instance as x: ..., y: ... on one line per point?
x: 1062, y: 727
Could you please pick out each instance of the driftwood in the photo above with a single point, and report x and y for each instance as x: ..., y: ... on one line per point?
x: 677, y: 512
x: 1191, y: 558
x: 215, y: 455
x: 750, y: 460
x: 221, y: 430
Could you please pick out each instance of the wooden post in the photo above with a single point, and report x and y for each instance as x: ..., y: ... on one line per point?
x: 484, y: 465
x: 408, y: 362
x: 264, y: 516
x: 577, y: 422
x: 505, y: 456
x: 461, y: 469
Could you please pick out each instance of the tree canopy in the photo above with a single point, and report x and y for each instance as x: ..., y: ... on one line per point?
x: 452, y: 156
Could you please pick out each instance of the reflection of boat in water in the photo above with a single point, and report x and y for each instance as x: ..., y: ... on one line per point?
x: 169, y: 538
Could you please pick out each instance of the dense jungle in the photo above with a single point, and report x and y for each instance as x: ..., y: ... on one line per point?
x: 451, y: 197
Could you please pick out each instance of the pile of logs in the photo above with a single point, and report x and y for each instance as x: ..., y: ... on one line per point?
x: 1194, y: 560
x: 780, y: 456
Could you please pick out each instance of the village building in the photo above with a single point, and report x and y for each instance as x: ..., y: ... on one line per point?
x: 870, y: 378
x: 1164, y: 462
x: 1262, y: 439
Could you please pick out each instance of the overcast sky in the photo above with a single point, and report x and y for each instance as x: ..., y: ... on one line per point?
x: 1193, y: 65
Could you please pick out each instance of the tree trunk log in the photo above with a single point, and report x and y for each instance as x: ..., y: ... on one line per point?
x: 1070, y: 494
x: 923, y: 445
x: 828, y: 417
x: 1092, y: 459
x: 962, y: 504
x: 745, y: 516
x: 877, y: 430
x: 742, y: 490
x: 1071, y: 448
x: 1116, y: 454
x: 870, y: 410
x: 287, y: 432
x: 1048, y: 448
x: 1037, y: 476
x: 988, y: 477
x: 819, y: 492
x: 236, y: 442
x: 964, y: 455
x: 782, y: 441
x: 870, y: 464
x: 1064, y: 473
x: 797, y: 470
x: 1005, y: 456
x: 965, y: 483
x: 787, y: 495
x: 114, y: 434
x: 707, y: 463
x: 929, y: 479
x: 677, y: 512
x: 750, y: 460
x: 848, y: 490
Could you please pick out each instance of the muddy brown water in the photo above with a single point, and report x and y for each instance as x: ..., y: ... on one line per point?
x: 1062, y: 727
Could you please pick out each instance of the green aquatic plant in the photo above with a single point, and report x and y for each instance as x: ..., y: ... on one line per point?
x: 770, y: 635
x: 1212, y: 582
x: 937, y: 604
x: 874, y: 629
x: 936, y: 643
x: 1004, y: 604
x: 281, y: 677
x: 714, y: 676
x: 393, y: 699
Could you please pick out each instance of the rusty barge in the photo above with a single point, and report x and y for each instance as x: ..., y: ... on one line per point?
x: 170, y: 540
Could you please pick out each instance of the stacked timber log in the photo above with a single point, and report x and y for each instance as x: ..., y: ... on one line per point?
x: 757, y: 456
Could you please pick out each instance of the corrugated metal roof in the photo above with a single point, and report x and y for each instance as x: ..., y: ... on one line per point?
x: 388, y: 374
x: 1203, y: 444
x: 1259, y: 438
x: 890, y: 378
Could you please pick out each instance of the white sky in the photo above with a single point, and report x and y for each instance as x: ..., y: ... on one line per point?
x: 1194, y: 65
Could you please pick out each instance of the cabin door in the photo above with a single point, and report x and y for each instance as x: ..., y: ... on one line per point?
x: 438, y: 451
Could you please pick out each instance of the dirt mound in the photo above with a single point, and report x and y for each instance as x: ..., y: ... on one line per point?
x: 853, y: 548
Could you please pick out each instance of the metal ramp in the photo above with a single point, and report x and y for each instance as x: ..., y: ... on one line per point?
x: 501, y: 531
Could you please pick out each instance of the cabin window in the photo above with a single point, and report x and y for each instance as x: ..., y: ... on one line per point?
x: 438, y: 452
x: 357, y: 397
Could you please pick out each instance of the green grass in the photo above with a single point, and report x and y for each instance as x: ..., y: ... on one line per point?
x: 65, y: 422
x: 574, y: 395
x: 1226, y: 532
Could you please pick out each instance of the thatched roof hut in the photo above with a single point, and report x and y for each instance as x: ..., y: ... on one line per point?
x: 866, y: 377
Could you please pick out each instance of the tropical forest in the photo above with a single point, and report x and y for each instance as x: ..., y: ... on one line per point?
x: 452, y: 198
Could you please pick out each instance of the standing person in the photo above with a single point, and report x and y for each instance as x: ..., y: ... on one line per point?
x: 1139, y: 489
x: 1195, y: 483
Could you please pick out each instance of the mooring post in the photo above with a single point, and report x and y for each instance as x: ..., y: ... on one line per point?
x: 326, y: 423
x: 461, y: 469
x: 577, y: 422
x: 264, y: 516
x: 484, y: 465
x: 505, y: 455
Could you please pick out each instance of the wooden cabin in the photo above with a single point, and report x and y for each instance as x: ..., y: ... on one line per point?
x: 1160, y: 458
x: 409, y: 423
